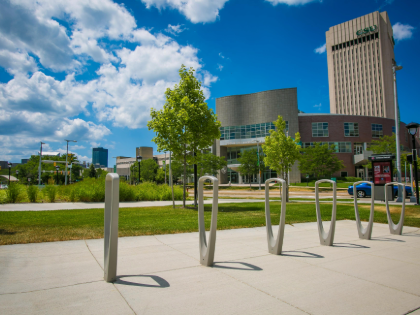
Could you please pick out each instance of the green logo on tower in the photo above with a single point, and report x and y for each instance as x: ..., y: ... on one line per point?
x: 367, y: 30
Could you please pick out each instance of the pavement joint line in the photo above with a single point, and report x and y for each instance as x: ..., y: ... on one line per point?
x: 175, y: 249
x: 128, y: 304
x: 412, y: 311
x: 260, y: 290
x: 46, y: 289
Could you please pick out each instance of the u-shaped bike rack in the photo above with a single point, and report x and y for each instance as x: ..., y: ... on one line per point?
x: 275, y: 245
x: 367, y: 232
x: 324, y: 238
x: 207, y: 251
x: 395, y: 229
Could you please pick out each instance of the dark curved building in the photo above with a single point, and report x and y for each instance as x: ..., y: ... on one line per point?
x: 247, y: 119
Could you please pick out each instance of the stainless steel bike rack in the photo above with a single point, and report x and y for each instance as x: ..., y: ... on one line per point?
x: 112, y: 198
x: 207, y: 251
x: 367, y: 232
x: 324, y: 238
x: 395, y: 229
x: 275, y: 245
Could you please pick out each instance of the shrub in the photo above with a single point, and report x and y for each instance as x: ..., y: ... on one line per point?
x: 353, y: 179
x: 50, y: 191
x: 32, y: 192
x: 13, y: 192
x: 73, y: 195
x: 127, y: 192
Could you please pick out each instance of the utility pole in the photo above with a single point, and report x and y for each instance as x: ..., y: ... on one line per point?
x: 39, y: 168
x: 395, y: 68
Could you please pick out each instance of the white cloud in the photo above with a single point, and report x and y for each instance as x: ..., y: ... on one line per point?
x: 220, y: 67
x: 402, y: 31
x: 321, y: 49
x: 221, y: 56
x: 291, y: 2
x: 318, y: 106
x: 35, y: 106
x: 175, y: 29
x: 197, y: 11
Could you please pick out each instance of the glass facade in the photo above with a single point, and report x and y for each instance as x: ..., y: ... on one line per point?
x: 248, y: 131
x: 320, y: 129
x: 377, y: 131
x: 100, y: 156
x: 339, y: 147
x: 351, y: 129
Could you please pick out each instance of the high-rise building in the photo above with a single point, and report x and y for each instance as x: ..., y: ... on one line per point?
x: 360, y: 59
x: 100, y: 156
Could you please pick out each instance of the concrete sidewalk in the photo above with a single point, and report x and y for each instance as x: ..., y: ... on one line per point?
x: 161, y: 275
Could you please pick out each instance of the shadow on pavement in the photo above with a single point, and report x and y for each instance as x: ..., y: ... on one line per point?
x: 386, y: 239
x: 305, y: 254
x: 250, y: 267
x: 349, y: 245
x: 161, y: 283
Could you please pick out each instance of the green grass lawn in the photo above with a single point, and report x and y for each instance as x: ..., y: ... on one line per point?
x: 46, y: 226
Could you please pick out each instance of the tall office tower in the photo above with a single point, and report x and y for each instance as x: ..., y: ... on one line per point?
x: 100, y: 156
x: 360, y: 59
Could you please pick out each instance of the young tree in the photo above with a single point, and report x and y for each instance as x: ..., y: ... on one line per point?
x: 210, y: 164
x: 185, y: 124
x: 320, y: 160
x: 281, y: 151
x: 160, y: 175
x: 249, y: 163
x: 148, y: 169
x: 92, y: 171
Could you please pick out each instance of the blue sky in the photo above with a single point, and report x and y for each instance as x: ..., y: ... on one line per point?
x: 91, y: 70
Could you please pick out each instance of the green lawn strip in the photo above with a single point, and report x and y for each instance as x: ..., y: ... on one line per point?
x: 21, y: 227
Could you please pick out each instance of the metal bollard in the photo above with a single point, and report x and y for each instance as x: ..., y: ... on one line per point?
x: 207, y: 251
x: 367, y: 232
x: 275, y: 246
x: 395, y: 229
x: 112, y: 198
x: 323, y: 237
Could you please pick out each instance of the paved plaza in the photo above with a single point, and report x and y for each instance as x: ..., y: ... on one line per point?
x: 161, y: 275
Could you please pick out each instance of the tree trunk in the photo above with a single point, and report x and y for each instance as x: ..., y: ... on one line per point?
x: 249, y: 178
x: 287, y: 186
x: 185, y: 175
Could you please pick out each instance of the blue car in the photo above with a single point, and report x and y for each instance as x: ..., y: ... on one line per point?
x: 364, y: 190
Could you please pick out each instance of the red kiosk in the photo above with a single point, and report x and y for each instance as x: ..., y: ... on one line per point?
x: 382, y: 170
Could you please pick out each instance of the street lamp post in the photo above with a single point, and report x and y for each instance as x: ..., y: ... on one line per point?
x: 412, y: 130
x: 17, y: 173
x: 9, y: 165
x: 139, y: 158
x: 395, y: 68
x: 67, y: 157
x: 56, y: 177
x: 259, y: 168
x: 39, y: 169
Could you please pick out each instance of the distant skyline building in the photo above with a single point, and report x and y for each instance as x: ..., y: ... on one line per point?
x: 100, y: 156
x: 360, y: 57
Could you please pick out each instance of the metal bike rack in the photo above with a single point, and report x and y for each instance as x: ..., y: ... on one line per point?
x: 275, y: 245
x: 367, y: 232
x: 324, y: 238
x: 207, y: 251
x: 112, y: 198
x: 395, y: 229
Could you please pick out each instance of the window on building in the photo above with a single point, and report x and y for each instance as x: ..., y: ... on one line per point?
x: 343, y: 174
x: 377, y: 131
x: 320, y: 129
x: 248, y: 131
x: 351, y: 129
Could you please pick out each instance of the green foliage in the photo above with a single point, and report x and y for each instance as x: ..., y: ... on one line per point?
x: 148, y: 169
x: 319, y: 160
x: 160, y: 176
x: 14, y: 192
x: 281, y: 151
x: 210, y: 163
x: 92, y: 171
x: 249, y: 163
x: 386, y: 144
x: 32, y: 192
x: 185, y: 124
x: 50, y: 192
